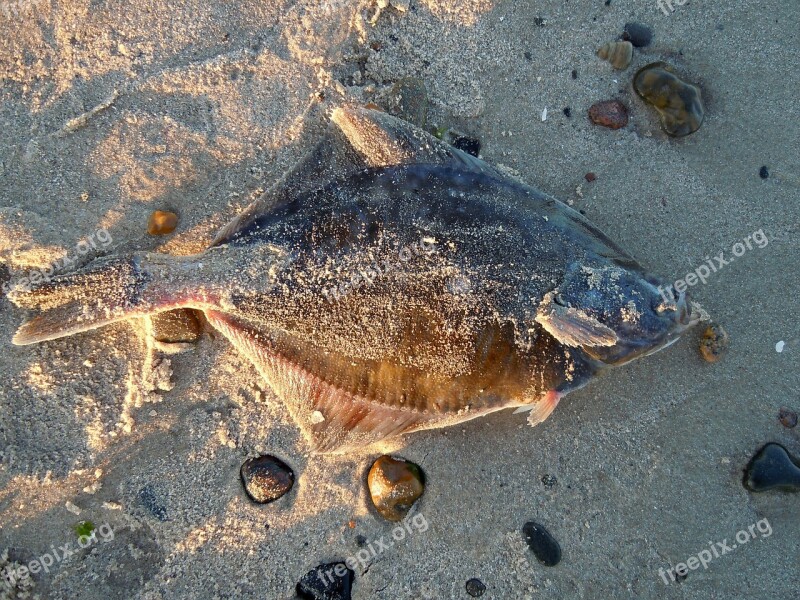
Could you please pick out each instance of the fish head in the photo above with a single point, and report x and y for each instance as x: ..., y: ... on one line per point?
x: 617, y: 314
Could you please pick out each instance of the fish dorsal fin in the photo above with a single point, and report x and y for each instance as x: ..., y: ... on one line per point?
x: 384, y: 141
x: 572, y: 326
x: 357, y: 139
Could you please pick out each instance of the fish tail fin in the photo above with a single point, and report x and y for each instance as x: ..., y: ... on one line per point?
x: 108, y: 290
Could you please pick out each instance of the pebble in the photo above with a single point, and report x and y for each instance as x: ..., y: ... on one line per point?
x: 329, y: 581
x: 467, y: 144
x: 475, y: 588
x: 763, y: 172
x: 609, y: 113
x: 162, y: 222
x: 590, y: 177
x: 549, y: 481
x: 149, y: 499
x: 637, y: 34
x: 266, y: 478
x: 567, y: 112
x: 394, y: 485
x: 772, y: 468
x: 788, y: 418
x: 619, y: 54
x: 176, y: 326
x: 679, y: 104
x: 714, y: 343
x: 542, y: 543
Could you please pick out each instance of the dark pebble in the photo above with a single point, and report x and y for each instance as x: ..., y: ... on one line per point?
x: 787, y: 417
x: 468, y: 145
x: 528, y: 55
x: 266, y: 478
x: 549, y: 481
x: 637, y: 34
x: 574, y: 74
x: 590, y: 177
x: 361, y: 541
x: 772, y: 468
x: 544, y: 546
x: 149, y: 499
x: 540, y: 21
x: 567, y: 112
x: 475, y: 588
x: 763, y: 172
x: 330, y: 581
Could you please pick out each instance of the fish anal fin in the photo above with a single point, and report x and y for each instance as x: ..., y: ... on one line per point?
x: 331, y: 418
x: 541, y: 409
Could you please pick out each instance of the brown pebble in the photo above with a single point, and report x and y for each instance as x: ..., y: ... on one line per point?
x: 394, y: 485
x: 176, y: 326
x: 609, y: 113
x: 162, y: 222
x: 714, y: 343
x: 679, y: 104
x: 590, y: 177
x: 788, y: 418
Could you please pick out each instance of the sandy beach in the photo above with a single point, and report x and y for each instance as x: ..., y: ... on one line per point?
x: 111, y: 110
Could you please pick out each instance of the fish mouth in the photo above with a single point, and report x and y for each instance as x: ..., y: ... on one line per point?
x: 689, y: 313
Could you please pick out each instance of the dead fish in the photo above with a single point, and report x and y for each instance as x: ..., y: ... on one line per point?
x: 391, y: 283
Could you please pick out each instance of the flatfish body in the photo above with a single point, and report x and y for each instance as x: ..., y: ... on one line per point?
x: 391, y: 283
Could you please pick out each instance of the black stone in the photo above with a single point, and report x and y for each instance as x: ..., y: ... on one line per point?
x: 549, y: 481
x: 574, y: 73
x: 475, y: 588
x: 361, y: 541
x: 527, y: 55
x: 266, y: 478
x: 468, y: 145
x: 542, y: 543
x: 567, y: 112
x: 540, y: 21
x: 637, y: 34
x: 149, y: 499
x: 324, y: 583
x: 772, y: 468
x: 763, y: 172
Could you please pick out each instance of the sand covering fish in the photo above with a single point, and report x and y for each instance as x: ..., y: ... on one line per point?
x: 391, y: 283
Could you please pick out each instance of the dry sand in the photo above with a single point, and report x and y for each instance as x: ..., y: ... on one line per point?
x: 109, y: 111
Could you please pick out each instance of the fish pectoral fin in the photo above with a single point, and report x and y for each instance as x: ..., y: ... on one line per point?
x: 572, y: 326
x: 543, y: 408
x: 384, y: 141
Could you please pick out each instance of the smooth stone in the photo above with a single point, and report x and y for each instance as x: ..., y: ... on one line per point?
x: 329, y: 581
x: 176, y: 326
x: 394, y: 485
x: 475, y: 588
x: 266, y: 478
x: 772, y: 468
x: 544, y: 546
x: 679, y: 104
x: 162, y: 222
x: 763, y: 172
x: 637, y: 34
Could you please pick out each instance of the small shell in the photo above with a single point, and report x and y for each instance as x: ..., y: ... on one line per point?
x: 619, y: 54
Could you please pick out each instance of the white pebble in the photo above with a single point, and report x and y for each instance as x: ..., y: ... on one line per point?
x: 779, y: 346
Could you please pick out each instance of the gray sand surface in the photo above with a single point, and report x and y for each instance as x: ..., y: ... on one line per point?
x: 198, y: 106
